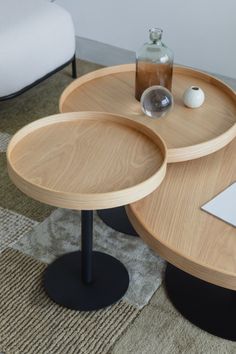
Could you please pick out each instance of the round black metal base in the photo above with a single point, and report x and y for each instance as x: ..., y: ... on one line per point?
x: 63, y: 283
x: 210, y: 307
x: 117, y: 219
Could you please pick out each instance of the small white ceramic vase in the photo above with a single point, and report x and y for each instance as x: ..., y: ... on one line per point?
x: 193, y: 97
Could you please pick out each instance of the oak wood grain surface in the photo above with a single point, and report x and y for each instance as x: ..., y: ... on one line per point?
x: 188, y: 133
x: 86, y: 160
x: 171, y: 222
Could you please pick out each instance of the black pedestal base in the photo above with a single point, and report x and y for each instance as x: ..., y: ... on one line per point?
x: 117, y: 219
x: 63, y: 283
x: 208, y: 306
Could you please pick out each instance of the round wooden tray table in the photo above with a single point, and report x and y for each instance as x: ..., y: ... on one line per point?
x: 86, y: 161
x: 197, y: 244
x: 188, y: 133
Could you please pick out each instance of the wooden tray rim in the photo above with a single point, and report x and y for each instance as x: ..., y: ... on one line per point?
x: 87, y: 201
x: 174, y: 154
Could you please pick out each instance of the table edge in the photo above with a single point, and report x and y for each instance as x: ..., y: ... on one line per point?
x: 181, y: 261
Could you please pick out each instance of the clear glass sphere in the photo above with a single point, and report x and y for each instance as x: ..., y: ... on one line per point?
x: 156, y: 101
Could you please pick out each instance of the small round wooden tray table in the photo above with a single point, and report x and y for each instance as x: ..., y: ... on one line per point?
x: 86, y: 161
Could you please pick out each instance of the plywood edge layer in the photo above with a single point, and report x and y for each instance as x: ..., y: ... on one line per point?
x: 85, y: 201
x: 203, y: 149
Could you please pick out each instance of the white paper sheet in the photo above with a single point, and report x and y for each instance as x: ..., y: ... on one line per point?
x: 223, y: 206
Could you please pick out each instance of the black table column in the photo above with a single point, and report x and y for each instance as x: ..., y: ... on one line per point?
x: 86, y: 280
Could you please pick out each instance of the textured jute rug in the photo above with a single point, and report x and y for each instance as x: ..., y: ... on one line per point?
x: 33, y: 234
x: 31, y: 323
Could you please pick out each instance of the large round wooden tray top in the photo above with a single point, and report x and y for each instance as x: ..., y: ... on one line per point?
x: 171, y: 222
x: 188, y: 133
x: 86, y: 160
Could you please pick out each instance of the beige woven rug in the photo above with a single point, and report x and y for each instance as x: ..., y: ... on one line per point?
x: 31, y: 323
x: 12, y: 227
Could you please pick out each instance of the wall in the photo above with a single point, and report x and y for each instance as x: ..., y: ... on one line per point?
x: 200, y: 32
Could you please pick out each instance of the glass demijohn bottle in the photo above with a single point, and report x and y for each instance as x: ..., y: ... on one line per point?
x: 154, y: 64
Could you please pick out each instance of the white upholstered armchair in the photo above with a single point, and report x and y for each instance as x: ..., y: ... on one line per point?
x: 36, y: 39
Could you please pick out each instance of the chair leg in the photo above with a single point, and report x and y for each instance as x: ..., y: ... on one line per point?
x: 74, y: 70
